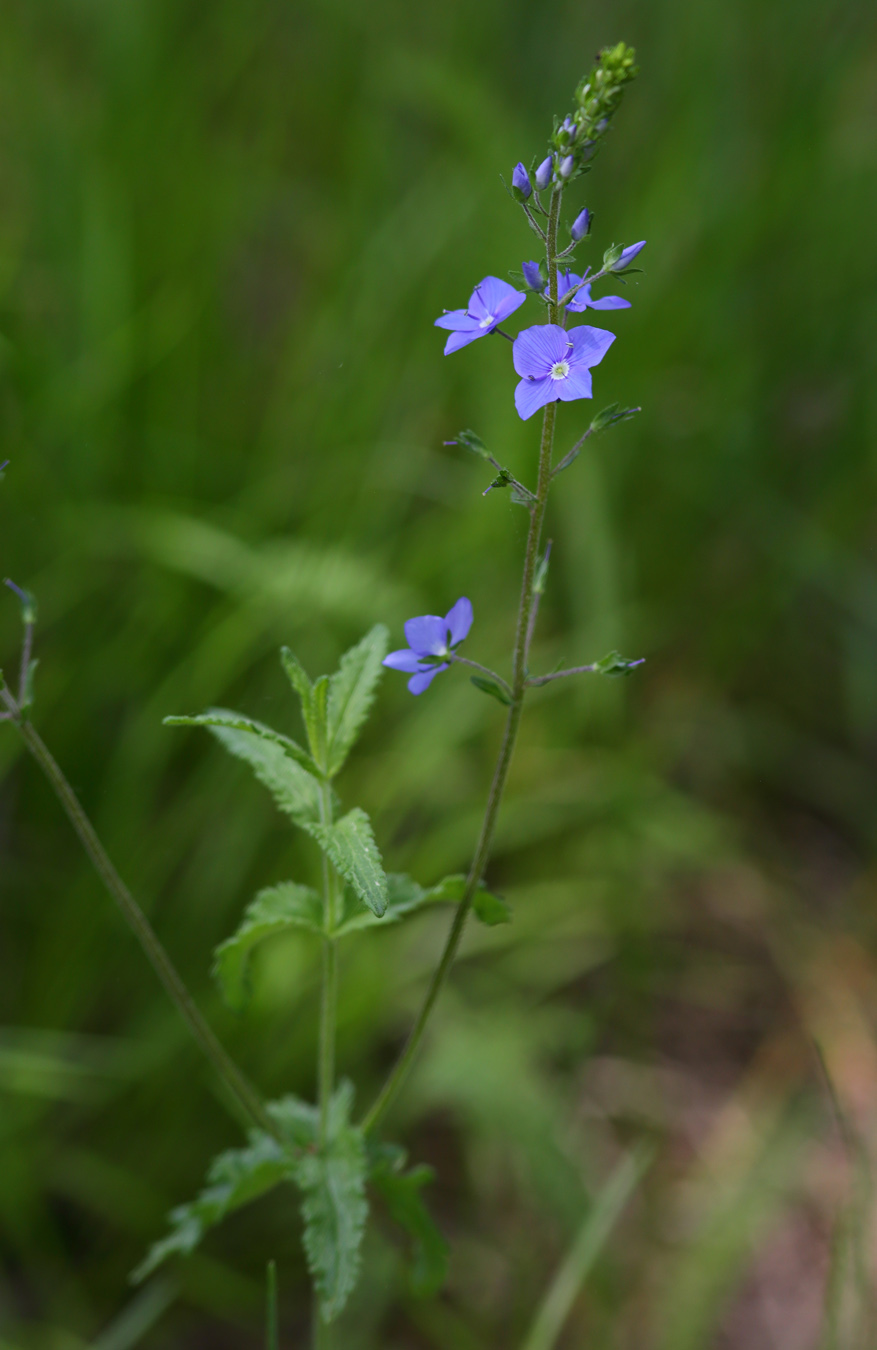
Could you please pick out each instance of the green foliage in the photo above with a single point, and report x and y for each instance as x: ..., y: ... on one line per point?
x: 331, y: 1177
x: 404, y: 897
x: 219, y: 717
x: 611, y: 415
x: 334, y: 1207
x: 490, y: 687
x: 235, y: 1178
x: 351, y: 694
x: 470, y: 440
x: 295, y: 790
x: 401, y: 1192
x: 274, y: 910
x: 615, y: 664
x: 489, y: 908
x: 350, y: 845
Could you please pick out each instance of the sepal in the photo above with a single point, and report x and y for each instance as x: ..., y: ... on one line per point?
x: 616, y: 664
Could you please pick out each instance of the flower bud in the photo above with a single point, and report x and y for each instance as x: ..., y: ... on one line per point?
x: 628, y: 255
x: 543, y: 173
x: 521, y: 183
x: 532, y: 275
x: 566, y: 166
x: 581, y: 225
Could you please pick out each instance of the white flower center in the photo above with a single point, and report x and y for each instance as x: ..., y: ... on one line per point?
x: 485, y: 323
x: 559, y: 370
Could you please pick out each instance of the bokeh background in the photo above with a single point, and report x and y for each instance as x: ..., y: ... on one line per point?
x: 225, y: 230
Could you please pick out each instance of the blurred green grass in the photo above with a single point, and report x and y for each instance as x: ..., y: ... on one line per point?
x: 225, y: 232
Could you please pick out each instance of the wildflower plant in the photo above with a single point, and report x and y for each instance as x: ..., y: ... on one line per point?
x: 335, y: 1157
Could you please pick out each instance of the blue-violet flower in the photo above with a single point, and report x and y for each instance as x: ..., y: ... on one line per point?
x: 429, y: 640
x: 521, y: 180
x: 532, y: 275
x: 628, y: 255
x: 580, y: 225
x: 491, y: 302
x: 556, y: 364
x: 567, y: 164
x: 582, y: 298
x: 543, y: 173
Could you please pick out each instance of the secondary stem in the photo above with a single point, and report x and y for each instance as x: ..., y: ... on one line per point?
x: 239, y: 1086
x: 519, y: 677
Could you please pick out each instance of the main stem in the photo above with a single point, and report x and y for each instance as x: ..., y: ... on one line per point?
x: 323, y: 1332
x: 239, y: 1086
x: 519, y: 676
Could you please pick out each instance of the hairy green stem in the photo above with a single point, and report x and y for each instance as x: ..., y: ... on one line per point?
x: 513, y: 720
x: 323, y: 1332
x: 239, y: 1086
x: 329, y: 984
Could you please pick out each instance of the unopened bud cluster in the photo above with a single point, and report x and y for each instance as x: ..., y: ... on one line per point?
x: 598, y: 96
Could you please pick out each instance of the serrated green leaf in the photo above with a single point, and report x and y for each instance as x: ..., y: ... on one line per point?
x: 221, y: 717
x: 334, y: 1207
x: 404, y: 897
x: 277, y: 909
x: 350, y: 846
x: 313, y: 702
x: 401, y: 1192
x: 234, y: 1178
x: 351, y: 693
x: 490, y: 687
x: 296, y: 791
x: 615, y: 664
x: 297, y: 1120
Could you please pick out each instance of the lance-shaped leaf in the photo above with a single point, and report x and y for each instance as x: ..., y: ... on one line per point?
x: 296, y: 791
x: 277, y: 909
x: 351, y: 693
x: 314, y: 697
x: 220, y: 717
x: 235, y: 1178
x: 401, y: 1192
x: 334, y: 1207
x: 351, y: 848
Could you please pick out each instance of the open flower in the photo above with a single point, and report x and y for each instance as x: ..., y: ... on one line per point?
x: 430, y: 641
x: 582, y: 298
x: 556, y: 364
x: 491, y: 302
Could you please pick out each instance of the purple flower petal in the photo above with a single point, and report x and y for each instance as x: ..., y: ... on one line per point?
x: 405, y: 660
x: 532, y: 275
x: 537, y: 349
x: 590, y: 345
x: 418, y: 683
x: 580, y: 301
x: 459, y: 619
x: 427, y: 635
x: 531, y: 395
x: 576, y: 385
x: 493, y: 299
x: 628, y: 255
x: 458, y: 340
x: 456, y: 319
x: 608, y: 302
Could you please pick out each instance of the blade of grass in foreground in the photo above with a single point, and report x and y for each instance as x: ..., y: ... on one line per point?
x: 589, y: 1242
